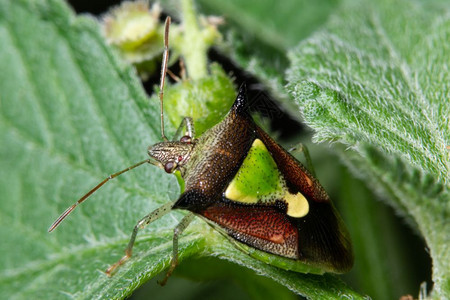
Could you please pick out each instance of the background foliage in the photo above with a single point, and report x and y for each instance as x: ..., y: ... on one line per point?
x: 372, y: 78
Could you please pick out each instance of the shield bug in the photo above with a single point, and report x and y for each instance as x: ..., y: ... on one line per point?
x: 244, y: 184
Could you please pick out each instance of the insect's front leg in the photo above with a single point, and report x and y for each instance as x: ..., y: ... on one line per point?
x: 176, y: 233
x: 151, y: 217
x: 187, y: 123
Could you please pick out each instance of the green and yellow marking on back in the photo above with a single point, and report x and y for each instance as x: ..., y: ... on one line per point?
x: 258, y: 180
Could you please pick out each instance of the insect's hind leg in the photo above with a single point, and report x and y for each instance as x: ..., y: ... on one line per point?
x: 304, y: 150
x: 177, y: 231
x: 151, y: 217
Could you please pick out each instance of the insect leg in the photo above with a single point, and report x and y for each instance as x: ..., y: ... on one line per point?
x: 151, y: 217
x: 303, y: 149
x: 187, y: 123
x: 176, y: 233
x: 182, y: 72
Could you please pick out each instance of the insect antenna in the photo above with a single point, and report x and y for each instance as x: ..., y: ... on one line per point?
x: 163, y: 73
x: 71, y: 208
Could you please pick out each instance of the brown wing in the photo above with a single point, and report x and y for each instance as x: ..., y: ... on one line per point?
x: 263, y: 227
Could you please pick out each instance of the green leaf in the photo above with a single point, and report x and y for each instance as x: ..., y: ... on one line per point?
x: 376, y: 80
x: 70, y: 113
x: 261, y: 31
x: 293, y: 20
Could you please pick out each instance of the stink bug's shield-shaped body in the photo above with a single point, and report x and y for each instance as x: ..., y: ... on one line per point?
x: 241, y: 180
x: 244, y: 184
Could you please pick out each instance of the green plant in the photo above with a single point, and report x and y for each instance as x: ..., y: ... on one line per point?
x: 372, y: 78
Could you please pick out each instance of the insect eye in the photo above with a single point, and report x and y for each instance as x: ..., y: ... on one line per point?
x: 170, y: 166
x: 186, y: 139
